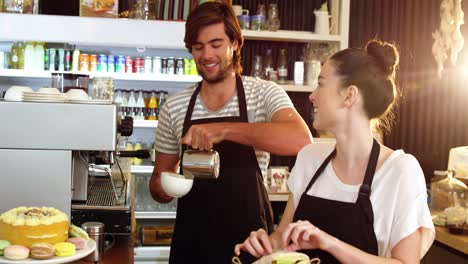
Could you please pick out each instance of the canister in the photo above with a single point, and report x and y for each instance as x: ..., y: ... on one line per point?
x: 95, y: 231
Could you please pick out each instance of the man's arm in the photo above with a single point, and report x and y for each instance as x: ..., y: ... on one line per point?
x: 163, y: 162
x: 285, y: 135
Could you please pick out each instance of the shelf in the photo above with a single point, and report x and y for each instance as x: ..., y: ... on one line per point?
x: 288, y: 35
x: 128, y: 32
x: 280, y: 197
x: 155, y: 215
x: 298, y: 88
x: 115, y: 76
x: 93, y: 31
x: 142, y: 169
x: 145, y: 123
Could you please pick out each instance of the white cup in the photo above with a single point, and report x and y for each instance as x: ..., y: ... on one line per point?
x: 239, y: 11
x: 175, y: 185
x: 322, y: 22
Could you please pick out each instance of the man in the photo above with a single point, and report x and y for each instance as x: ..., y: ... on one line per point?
x: 243, y: 118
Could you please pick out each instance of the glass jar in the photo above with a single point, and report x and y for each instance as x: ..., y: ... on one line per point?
x: 102, y: 88
x: 20, y: 6
x: 448, y: 201
x: 257, y: 67
x: 273, y: 21
x: 143, y: 9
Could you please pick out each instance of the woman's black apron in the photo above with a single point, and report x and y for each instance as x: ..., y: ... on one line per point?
x: 219, y: 213
x: 352, y: 223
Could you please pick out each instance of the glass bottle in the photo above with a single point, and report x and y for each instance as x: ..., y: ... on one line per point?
x: 282, y: 66
x: 131, y: 106
x: 153, y: 106
x: 257, y: 67
x: 273, y: 21
x: 140, y: 106
x: 14, y: 56
x: 39, y: 56
x: 267, y: 63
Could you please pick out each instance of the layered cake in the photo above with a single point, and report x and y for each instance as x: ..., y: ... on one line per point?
x: 31, y: 225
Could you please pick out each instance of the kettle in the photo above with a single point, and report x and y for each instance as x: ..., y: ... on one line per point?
x: 203, y: 164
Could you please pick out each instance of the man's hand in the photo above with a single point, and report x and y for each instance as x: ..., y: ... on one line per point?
x: 204, y: 136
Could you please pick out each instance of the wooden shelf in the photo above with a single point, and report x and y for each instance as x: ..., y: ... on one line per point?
x: 288, y: 36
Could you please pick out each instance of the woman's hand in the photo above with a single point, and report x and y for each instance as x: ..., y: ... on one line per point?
x: 257, y: 244
x: 304, y: 235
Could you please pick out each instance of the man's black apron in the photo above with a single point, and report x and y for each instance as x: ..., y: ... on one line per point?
x: 352, y: 223
x: 219, y: 213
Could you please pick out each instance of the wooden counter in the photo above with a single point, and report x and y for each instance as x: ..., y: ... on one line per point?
x: 458, y: 242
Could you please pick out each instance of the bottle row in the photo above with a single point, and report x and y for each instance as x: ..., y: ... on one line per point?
x: 263, y: 67
x: 35, y: 56
x: 141, y: 105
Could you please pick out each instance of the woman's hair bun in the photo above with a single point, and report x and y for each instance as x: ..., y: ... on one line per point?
x: 386, y: 55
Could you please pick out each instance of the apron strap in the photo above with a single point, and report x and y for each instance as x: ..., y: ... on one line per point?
x: 188, y: 114
x: 320, y: 170
x: 365, y: 190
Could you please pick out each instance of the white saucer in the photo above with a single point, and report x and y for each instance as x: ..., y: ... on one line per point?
x: 89, y: 247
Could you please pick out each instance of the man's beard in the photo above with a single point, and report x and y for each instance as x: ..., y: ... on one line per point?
x: 224, y: 72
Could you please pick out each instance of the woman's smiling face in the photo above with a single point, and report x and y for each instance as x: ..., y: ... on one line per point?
x: 327, y: 99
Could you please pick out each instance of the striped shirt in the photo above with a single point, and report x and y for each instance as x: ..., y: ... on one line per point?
x: 263, y: 99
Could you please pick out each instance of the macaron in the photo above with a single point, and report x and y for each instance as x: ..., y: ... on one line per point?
x: 42, y: 251
x: 4, y: 244
x: 76, y: 231
x: 64, y: 249
x: 79, y: 242
x: 16, y: 252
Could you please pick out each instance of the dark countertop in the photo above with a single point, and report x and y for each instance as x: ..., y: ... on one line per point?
x: 120, y: 253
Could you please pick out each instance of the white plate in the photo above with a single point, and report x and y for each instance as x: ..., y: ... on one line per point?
x: 89, y: 101
x: 90, y: 246
x: 43, y: 100
x: 44, y: 95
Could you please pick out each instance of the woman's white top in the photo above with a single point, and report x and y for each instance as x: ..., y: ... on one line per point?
x: 398, y: 194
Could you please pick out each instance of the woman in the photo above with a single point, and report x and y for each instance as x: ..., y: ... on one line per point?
x: 356, y: 201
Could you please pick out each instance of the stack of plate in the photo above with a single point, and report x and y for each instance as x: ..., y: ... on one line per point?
x: 41, y: 97
x: 89, y: 101
x: 45, y: 95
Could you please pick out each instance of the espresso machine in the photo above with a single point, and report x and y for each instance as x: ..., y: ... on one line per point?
x: 66, y: 156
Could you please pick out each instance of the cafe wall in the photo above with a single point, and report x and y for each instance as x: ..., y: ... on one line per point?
x: 432, y: 114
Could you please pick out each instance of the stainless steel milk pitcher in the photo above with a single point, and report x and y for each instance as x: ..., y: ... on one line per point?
x: 202, y: 164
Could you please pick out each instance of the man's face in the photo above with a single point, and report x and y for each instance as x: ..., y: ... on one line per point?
x: 213, y: 52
